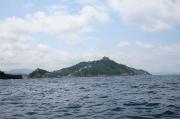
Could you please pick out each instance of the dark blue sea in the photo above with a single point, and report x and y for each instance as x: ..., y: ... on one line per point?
x: 126, y: 97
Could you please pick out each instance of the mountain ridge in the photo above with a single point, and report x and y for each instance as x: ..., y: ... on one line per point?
x: 102, y: 67
x: 38, y: 73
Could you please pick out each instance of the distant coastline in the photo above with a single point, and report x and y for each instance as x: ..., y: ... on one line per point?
x: 102, y: 67
x: 9, y: 76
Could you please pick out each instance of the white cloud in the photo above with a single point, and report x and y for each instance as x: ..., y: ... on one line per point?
x: 19, y: 49
x: 123, y: 44
x: 151, y: 15
x: 57, y: 9
x: 52, y: 24
x: 152, y: 56
x: 28, y: 5
x: 140, y: 44
x: 143, y: 45
x: 72, y: 38
x: 89, y: 2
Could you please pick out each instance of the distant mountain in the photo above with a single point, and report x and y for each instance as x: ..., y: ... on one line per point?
x: 20, y: 71
x: 9, y: 76
x: 103, y: 67
x: 38, y: 73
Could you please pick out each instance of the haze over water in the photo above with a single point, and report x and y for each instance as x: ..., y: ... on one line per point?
x: 129, y: 97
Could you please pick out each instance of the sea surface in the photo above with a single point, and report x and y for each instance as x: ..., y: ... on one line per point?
x: 126, y: 97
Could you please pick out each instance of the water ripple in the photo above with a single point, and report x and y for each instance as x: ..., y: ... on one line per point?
x: 138, y: 97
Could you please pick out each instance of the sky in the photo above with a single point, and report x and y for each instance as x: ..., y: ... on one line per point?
x: 52, y: 34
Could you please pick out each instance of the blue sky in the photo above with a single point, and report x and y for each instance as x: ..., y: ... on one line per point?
x: 53, y: 34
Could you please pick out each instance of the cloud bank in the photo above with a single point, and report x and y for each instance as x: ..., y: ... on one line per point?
x: 151, y: 15
x: 18, y: 47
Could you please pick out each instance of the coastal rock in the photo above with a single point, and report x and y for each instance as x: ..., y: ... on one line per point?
x: 38, y: 73
x: 9, y: 76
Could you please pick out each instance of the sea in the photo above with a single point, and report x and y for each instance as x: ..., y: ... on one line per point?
x: 116, y: 97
